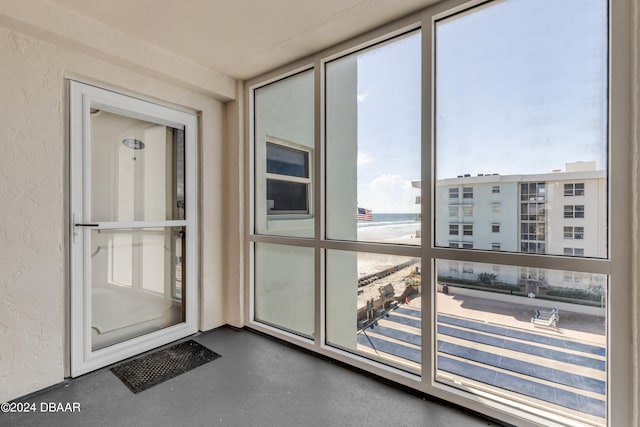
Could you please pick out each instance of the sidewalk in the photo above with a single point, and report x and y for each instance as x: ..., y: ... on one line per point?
x: 576, y: 326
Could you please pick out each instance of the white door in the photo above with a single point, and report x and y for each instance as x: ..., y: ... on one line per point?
x: 133, y: 226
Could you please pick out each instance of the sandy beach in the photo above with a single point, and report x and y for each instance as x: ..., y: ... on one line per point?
x: 368, y: 263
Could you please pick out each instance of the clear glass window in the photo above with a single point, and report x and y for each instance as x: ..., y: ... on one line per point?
x: 574, y: 233
x: 574, y: 189
x: 287, y: 161
x: 373, y: 142
x: 495, y: 85
x: 288, y: 182
x: 520, y: 128
x: 502, y: 338
x: 374, y: 307
x: 574, y: 211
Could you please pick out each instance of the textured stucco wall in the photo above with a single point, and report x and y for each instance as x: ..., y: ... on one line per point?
x: 31, y: 216
x: 33, y: 198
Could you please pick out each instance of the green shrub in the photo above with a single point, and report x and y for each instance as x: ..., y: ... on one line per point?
x: 573, y: 294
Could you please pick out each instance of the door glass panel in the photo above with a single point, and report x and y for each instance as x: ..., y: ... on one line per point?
x: 136, y: 282
x: 137, y: 169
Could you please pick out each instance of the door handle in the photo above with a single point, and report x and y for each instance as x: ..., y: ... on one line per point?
x: 75, y: 234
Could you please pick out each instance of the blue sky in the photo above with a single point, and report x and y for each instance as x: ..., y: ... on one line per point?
x: 519, y: 89
x: 389, y: 126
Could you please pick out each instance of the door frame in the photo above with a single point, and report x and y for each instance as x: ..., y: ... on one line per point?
x: 83, y: 97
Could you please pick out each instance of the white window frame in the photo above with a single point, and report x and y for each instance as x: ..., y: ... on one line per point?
x: 572, y: 212
x: 289, y: 178
x: 572, y: 233
x: 455, y: 227
x: 578, y: 252
x: 571, y: 189
x: 620, y: 392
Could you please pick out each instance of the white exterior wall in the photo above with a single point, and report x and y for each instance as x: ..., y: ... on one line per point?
x: 595, y: 218
x: 34, y: 196
x: 283, y: 110
x: 483, y: 215
x: 594, y: 223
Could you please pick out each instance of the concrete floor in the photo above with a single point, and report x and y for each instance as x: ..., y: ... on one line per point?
x: 257, y: 382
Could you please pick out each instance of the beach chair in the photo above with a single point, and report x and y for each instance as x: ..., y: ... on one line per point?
x: 546, y: 318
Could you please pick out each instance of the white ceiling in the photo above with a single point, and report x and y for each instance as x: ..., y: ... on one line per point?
x: 243, y: 38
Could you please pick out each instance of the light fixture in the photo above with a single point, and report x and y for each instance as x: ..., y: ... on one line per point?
x: 133, y: 143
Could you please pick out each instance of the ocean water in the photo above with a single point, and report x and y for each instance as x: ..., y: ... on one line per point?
x: 382, y: 219
x: 389, y: 226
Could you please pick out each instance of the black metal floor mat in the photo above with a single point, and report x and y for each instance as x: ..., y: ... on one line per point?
x: 146, y: 371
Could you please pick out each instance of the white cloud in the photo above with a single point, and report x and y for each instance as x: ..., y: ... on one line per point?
x: 390, y: 180
x: 362, y: 96
x: 388, y: 193
x: 364, y: 158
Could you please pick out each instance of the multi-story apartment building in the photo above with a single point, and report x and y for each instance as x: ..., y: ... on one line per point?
x: 558, y: 213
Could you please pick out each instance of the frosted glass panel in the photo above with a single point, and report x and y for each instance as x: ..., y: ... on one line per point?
x: 137, y: 279
x: 284, y: 290
x: 284, y: 157
x: 137, y: 169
